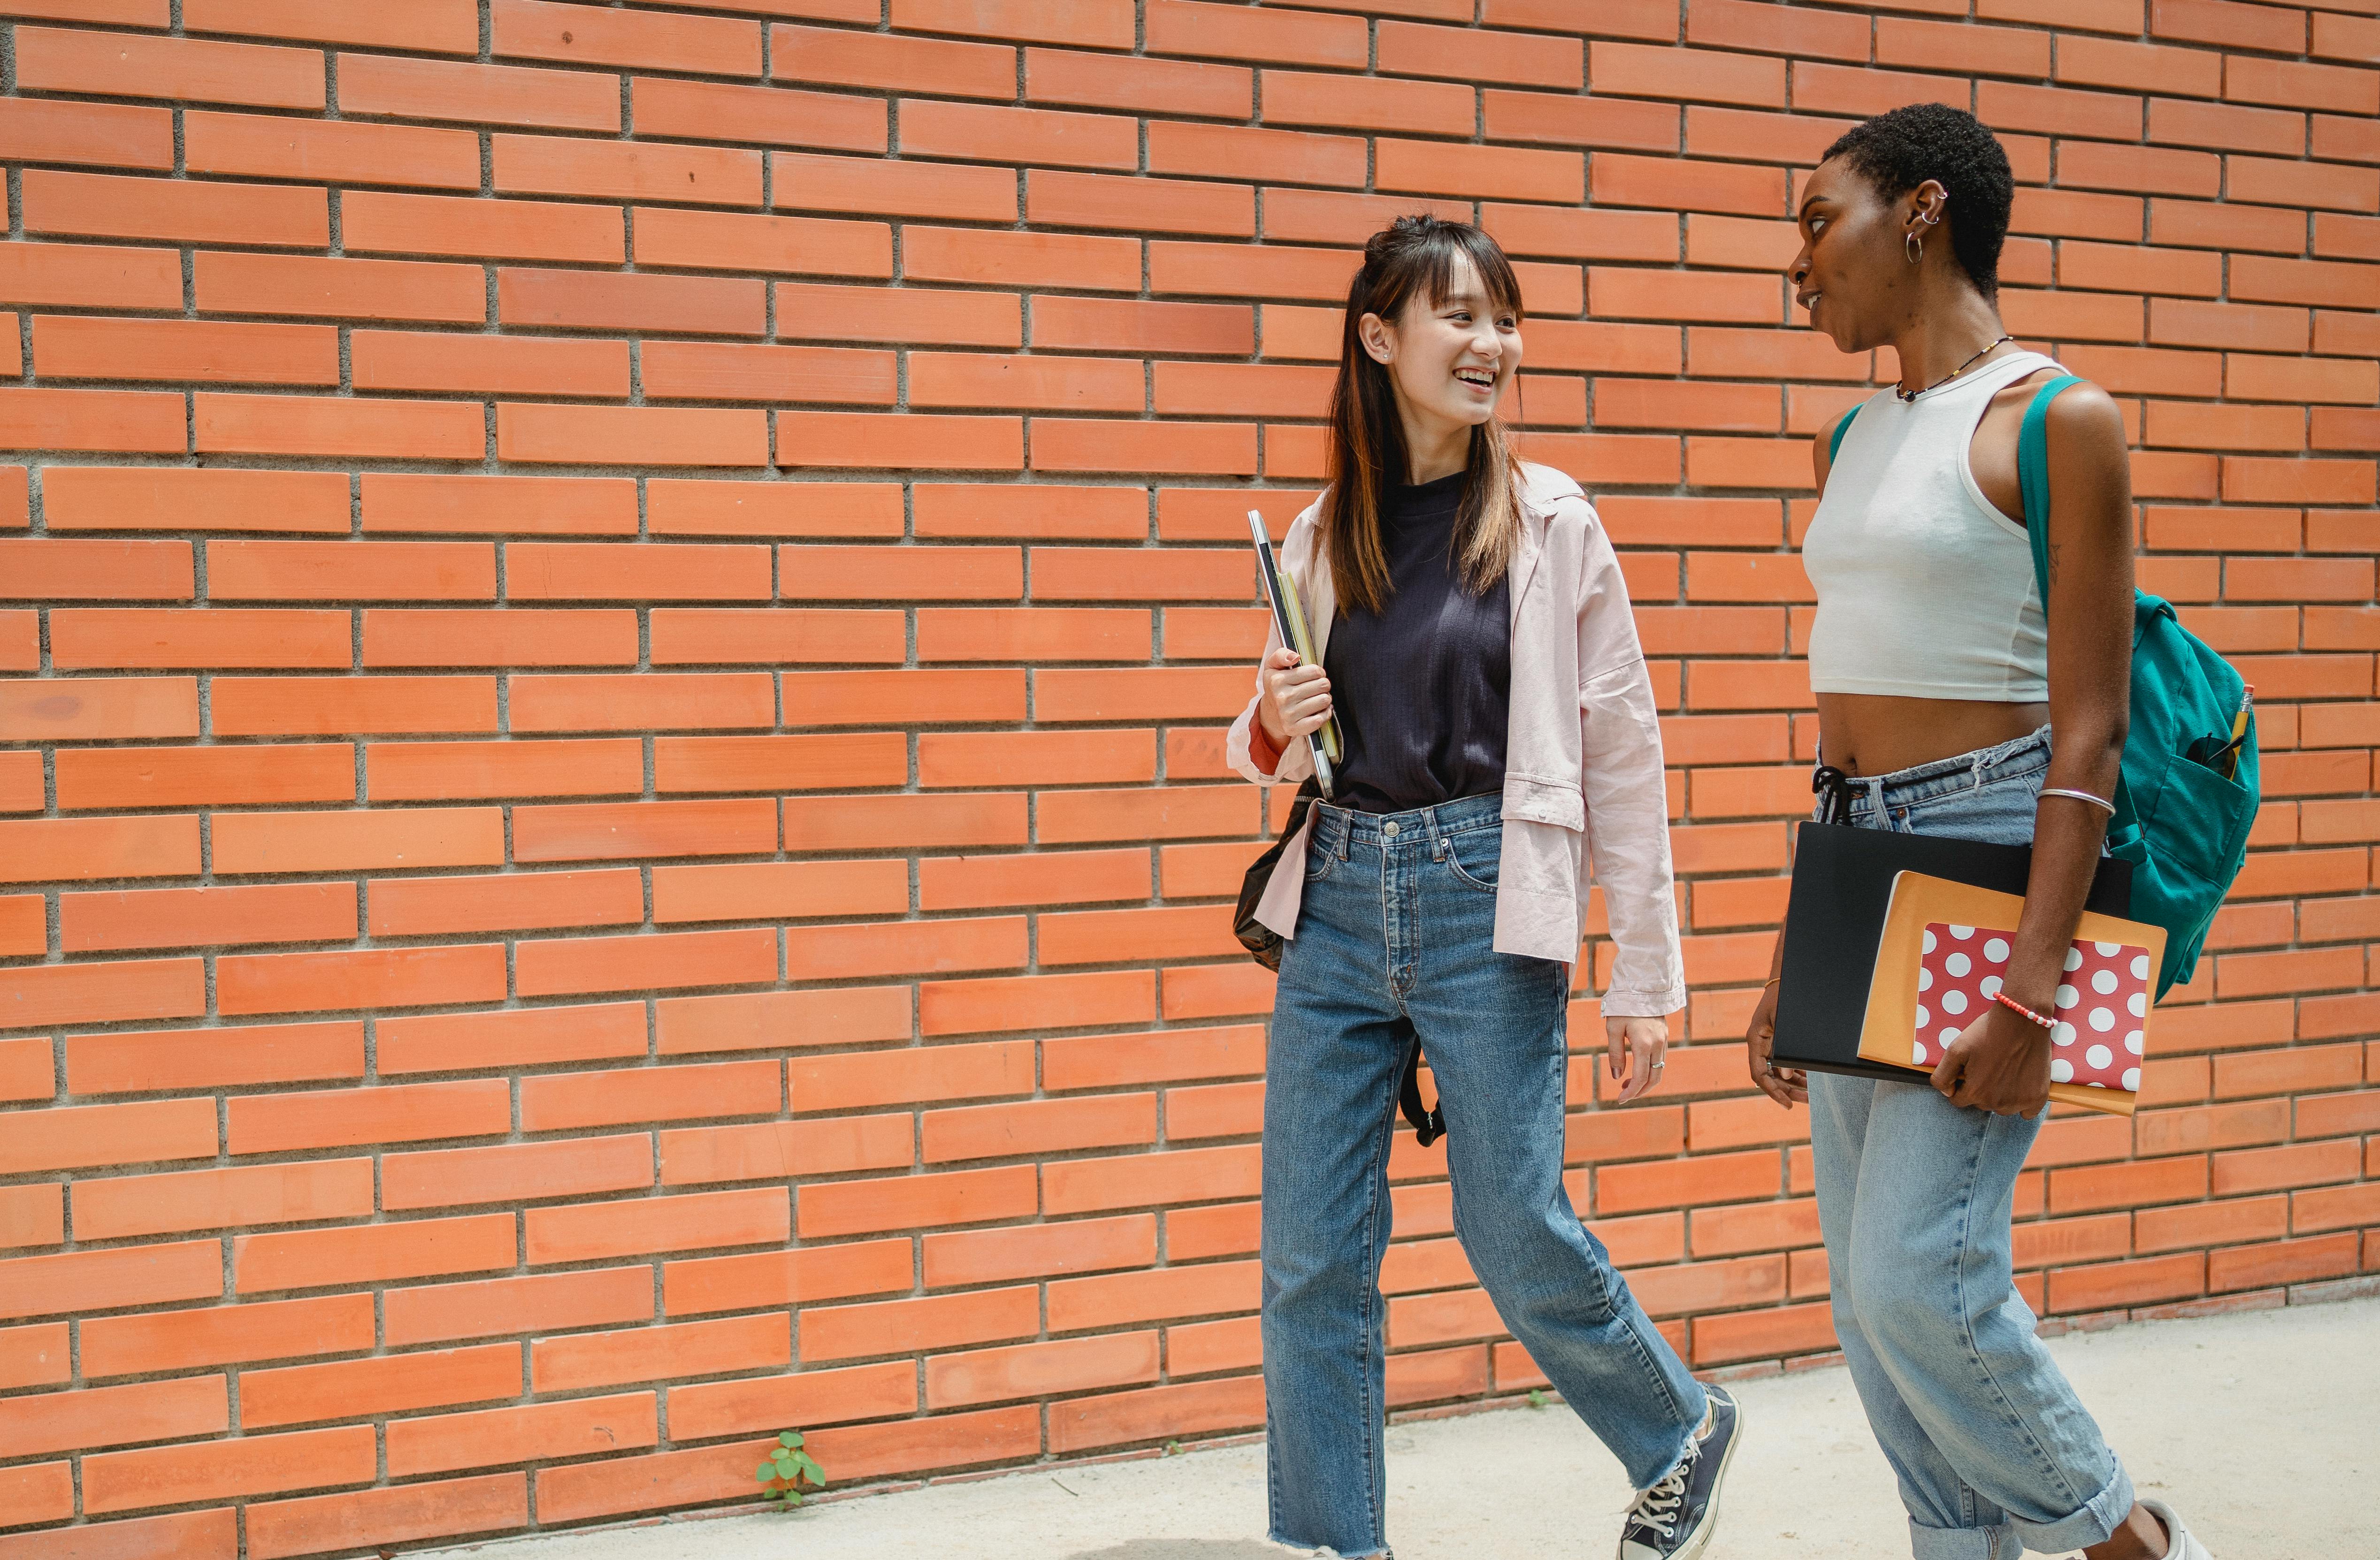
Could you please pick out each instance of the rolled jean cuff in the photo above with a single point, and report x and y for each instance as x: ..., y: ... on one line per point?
x: 1998, y: 1542
x: 2097, y: 1518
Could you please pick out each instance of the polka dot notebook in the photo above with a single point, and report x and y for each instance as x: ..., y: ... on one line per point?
x: 2103, y: 1003
x: 1943, y: 954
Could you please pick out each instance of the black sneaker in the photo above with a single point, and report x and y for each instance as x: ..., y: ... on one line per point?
x: 1675, y: 1518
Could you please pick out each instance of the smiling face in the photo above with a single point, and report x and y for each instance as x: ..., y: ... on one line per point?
x: 1450, y: 359
x: 1852, y: 273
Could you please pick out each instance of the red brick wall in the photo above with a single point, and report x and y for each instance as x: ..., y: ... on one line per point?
x: 612, y: 745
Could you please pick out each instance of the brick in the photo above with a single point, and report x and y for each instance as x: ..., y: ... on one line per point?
x: 983, y: 132
x: 471, y: 93
x: 627, y: 170
x: 351, y: 152
x: 441, y: 224
x: 593, y: 35
x: 108, y: 135
x: 891, y: 62
x: 910, y: 1326
x: 253, y: 1465
x: 554, y: 1101
x: 386, y: 1113
x: 925, y: 190
x: 675, y: 1351
x: 32, y: 1216
x: 703, y: 1285
x: 101, y: 420
x: 104, y: 1280
x: 734, y: 240
x: 434, y: 27
x: 84, y: 275
x: 206, y: 916
x: 490, y: 1307
x: 1237, y: 152
x: 692, y: 507
x: 808, y: 1397
x: 110, y: 206
x: 508, y: 1172
x: 769, y: 116
x: 592, y: 1231
x: 449, y: 1508
x: 241, y: 1196
x: 372, y: 1253
x: 225, y: 1335
x: 841, y: 439
x: 1135, y: 85
x: 1232, y: 32
x: 771, y: 1150
x: 494, y: 1436
x: 390, y: 1384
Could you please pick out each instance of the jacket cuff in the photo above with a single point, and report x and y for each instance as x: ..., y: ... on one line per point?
x: 1642, y: 1004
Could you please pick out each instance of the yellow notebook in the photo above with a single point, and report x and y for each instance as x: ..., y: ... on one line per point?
x: 1937, y: 967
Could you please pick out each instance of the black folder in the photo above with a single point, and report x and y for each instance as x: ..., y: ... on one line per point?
x: 1834, y: 919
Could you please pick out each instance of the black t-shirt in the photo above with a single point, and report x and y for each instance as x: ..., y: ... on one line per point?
x: 1423, y: 687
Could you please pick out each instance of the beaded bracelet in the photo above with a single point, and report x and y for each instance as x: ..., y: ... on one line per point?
x: 2013, y: 1006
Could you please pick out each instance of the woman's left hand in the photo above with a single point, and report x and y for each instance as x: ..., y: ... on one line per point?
x: 1637, y: 1048
x: 1998, y: 1063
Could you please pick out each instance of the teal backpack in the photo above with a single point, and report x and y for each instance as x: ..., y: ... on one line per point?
x: 2187, y: 794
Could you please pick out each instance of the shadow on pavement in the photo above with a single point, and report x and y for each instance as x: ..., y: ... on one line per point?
x: 1182, y: 1548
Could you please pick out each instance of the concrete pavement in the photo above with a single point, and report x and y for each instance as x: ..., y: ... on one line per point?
x: 2262, y: 1428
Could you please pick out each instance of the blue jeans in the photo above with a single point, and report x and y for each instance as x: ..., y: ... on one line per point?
x: 1395, y: 939
x: 1994, y: 1452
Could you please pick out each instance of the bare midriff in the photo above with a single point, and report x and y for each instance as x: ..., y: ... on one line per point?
x: 1875, y: 734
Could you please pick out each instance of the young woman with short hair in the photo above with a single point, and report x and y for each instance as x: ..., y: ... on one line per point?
x: 1950, y: 702
x: 1498, y: 734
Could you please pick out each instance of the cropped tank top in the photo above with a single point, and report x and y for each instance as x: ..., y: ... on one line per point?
x: 1926, y: 589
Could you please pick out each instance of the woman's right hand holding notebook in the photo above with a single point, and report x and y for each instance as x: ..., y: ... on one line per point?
x: 1297, y: 697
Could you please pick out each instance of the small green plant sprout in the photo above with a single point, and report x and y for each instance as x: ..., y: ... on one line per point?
x: 787, y: 1469
x: 1536, y: 1398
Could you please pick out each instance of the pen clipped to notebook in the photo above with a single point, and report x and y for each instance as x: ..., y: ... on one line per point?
x: 1289, y: 618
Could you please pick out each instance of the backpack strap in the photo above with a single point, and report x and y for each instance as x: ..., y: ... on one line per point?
x: 2032, y: 477
x: 2033, y: 480
x: 1835, y: 445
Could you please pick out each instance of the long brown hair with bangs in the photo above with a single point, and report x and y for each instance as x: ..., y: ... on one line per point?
x: 1412, y: 258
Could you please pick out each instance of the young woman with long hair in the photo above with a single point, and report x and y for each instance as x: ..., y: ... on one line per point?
x: 1497, y: 735
x: 1953, y: 700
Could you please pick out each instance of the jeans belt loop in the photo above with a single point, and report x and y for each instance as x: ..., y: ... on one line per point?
x: 1982, y: 755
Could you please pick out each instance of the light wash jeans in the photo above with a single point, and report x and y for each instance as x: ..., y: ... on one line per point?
x: 1394, y: 939
x: 1994, y: 1452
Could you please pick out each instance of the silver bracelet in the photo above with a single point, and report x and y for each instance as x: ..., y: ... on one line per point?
x: 2100, y: 802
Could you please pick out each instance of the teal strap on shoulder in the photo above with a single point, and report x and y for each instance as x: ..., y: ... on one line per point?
x: 2033, y: 480
x: 1835, y: 445
x: 2032, y: 477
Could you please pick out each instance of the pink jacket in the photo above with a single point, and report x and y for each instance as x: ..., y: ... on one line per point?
x: 1583, y: 776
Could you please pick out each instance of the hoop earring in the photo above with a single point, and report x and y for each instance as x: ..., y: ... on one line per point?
x: 1914, y: 246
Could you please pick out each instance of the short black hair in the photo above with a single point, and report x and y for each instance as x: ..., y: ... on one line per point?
x: 1900, y: 150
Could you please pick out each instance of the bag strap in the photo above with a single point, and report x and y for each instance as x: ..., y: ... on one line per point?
x: 2033, y: 481
x: 1428, y: 1125
x: 2032, y: 477
x: 1835, y: 445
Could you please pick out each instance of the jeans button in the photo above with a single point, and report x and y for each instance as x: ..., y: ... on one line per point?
x: 1390, y: 828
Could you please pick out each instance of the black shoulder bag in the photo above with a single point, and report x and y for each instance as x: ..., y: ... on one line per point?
x: 1263, y: 945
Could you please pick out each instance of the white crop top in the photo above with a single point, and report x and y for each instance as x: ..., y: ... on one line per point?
x: 1926, y: 589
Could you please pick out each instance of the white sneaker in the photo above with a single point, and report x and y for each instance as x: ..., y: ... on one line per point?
x: 2181, y: 1543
